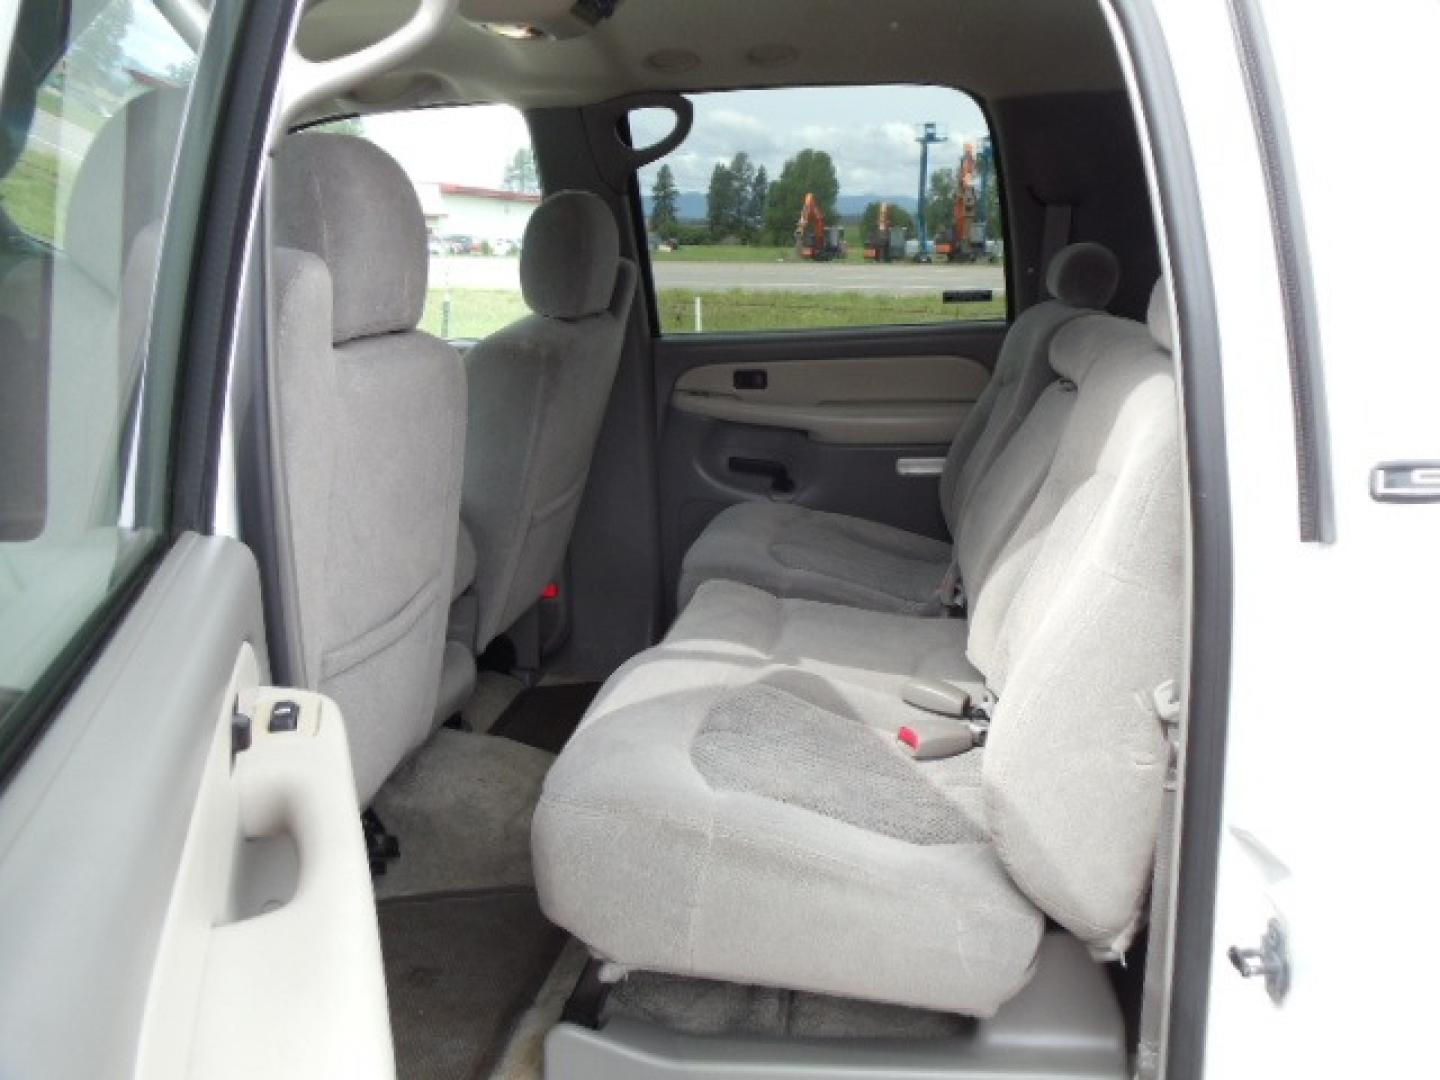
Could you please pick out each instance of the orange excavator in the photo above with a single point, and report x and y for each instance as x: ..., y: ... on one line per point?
x: 812, y: 239
x: 880, y: 245
x: 964, y: 241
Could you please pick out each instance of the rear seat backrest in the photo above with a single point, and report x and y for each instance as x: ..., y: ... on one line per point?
x: 1080, y: 277
x: 1080, y: 624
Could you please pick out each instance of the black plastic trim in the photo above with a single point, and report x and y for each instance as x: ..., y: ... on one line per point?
x: 1203, y: 389
x: 1292, y: 253
x: 231, y: 202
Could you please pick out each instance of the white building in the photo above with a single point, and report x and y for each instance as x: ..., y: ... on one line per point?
x: 481, y: 213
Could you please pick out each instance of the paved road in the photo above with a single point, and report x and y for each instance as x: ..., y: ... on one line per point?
x: 852, y: 275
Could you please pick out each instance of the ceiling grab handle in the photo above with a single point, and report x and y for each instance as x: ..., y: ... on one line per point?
x: 188, y: 18
x: 306, y: 82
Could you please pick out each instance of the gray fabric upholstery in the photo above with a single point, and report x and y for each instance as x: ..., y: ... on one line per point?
x: 655, y: 868
x: 1083, y: 275
x: 743, y: 624
x: 794, y: 551
x: 537, y: 391
x: 348, y: 202
x: 568, y: 259
x: 457, y: 680
x: 466, y: 562
x: 1159, y: 317
x: 764, y: 740
x: 371, y: 435
x: 689, y: 826
x: 1082, y: 621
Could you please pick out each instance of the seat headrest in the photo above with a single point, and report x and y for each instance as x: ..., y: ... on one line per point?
x: 570, y: 257
x: 1083, y: 275
x: 348, y: 202
x: 1159, y: 317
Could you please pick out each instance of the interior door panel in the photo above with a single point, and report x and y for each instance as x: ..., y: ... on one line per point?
x: 129, y: 863
x: 832, y: 420
x: 856, y: 401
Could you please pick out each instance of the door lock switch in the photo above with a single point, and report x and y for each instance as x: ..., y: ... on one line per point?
x: 284, y: 716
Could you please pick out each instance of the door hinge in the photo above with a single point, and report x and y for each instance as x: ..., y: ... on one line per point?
x: 1270, y: 961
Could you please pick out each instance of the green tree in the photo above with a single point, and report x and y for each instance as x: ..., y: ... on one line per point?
x: 720, y: 201
x: 665, y: 203
x: 808, y: 172
x: 520, y: 174
x: 900, y: 218
x: 742, y: 180
x: 755, y: 207
x: 940, y: 202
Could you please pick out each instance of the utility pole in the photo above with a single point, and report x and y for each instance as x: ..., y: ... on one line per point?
x: 928, y: 137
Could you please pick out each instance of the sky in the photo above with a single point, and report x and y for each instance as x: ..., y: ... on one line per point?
x: 869, y: 132
x: 463, y: 145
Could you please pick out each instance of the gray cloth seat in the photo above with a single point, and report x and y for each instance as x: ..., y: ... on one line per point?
x: 736, y: 818
x: 794, y: 551
x: 538, y: 390
x: 371, y: 431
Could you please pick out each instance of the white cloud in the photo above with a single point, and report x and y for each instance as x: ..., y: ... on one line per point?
x: 874, y: 149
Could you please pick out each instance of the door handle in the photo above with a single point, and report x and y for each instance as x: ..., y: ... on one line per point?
x: 780, y: 481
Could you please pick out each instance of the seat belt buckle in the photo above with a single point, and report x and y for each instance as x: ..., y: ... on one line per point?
x: 934, y: 737
x: 951, y: 592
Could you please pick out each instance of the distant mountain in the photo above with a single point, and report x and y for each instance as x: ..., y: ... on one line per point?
x: 692, y: 207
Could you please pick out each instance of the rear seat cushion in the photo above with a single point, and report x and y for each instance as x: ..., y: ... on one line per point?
x: 792, y: 551
x: 795, y: 551
x: 740, y: 623
x: 759, y: 832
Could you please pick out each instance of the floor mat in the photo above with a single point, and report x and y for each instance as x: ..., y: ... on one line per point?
x: 546, y: 716
x: 461, y: 808
x: 461, y: 968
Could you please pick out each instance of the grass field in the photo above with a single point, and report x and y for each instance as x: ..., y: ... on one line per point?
x: 28, y: 193
x: 477, y: 312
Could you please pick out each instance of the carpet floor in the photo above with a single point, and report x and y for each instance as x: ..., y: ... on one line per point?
x: 461, y: 968
x: 546, y: 716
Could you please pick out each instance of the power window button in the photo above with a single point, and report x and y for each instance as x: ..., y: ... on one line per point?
x: 285, y: 716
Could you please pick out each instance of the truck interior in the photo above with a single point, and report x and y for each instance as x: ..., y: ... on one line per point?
x: 789, y: 701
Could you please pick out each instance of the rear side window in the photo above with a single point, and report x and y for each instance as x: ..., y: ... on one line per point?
x: 792, y: 209
x: 94, y: 99
x: 474, y: 172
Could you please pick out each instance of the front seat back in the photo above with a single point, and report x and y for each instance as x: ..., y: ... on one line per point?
x: 538, y: 390
x: 370, y: 429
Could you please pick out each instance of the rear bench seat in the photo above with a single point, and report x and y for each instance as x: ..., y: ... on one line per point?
x: 793, y: 551
x: 743, y: 817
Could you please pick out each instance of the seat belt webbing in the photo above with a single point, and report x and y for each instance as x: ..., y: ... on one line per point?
x: 1057, y: 233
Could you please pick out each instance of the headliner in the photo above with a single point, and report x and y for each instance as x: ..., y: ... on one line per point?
x: 994, y: 49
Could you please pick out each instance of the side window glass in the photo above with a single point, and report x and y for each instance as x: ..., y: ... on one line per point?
x: 790, y: 209
x: 94, y: 96
x: 474, y: 171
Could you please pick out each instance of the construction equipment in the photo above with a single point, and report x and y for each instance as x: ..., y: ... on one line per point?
x: 966, y: 238
x: 887, y: 242
x: 813, y: 240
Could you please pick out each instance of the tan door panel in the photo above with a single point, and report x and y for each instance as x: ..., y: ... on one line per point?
x: 916, y: 400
